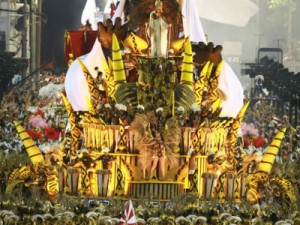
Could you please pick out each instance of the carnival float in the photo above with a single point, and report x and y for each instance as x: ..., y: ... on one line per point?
x: 150, y: 114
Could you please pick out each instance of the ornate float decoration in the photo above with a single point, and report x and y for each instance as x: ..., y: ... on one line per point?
x: 149, y: 116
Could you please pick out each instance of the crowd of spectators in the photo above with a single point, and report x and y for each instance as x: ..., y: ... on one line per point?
x: 25, y: 100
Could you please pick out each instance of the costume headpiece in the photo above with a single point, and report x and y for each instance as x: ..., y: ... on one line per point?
x: 158, y: 5
x: 140, y: 107
x: 195, y: 108
x: 159, y: 109
x: 180, y: 109
x: 121, y: 107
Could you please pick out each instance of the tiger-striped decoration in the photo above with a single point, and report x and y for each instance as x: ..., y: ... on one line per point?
x: 213, y: 83
x: 233, y: 132
x: 109, y: 78
x: 197, y: 142
x: 253, y: 181
x: 269, y: 157
x: 52, y: 182
x: 33, y: 151
x: 85, y: 180
x: 179, y: 45
x: 220, y: 192
x: 75, y: 129
x: 19, y: 173
x: 187, y: 67
x: 94, y: 90
x: 17, y: 177
x: 284, y: 191
x: 122, y: 143
x: 118, y: 65
x: 264, y: 168
x: 136, y: 44
x: 202, y: 81
x: 178, y: 173
x: 239, y: 185
x: 216, y: 105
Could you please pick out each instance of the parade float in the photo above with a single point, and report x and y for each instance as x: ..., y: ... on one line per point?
x: 152, y: 115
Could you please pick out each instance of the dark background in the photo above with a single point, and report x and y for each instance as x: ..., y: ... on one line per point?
x: 60, y: 15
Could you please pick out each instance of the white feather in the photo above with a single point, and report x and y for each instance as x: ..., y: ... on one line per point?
x: 202, y: 218
x: 289, y: 221
x: 47, y: 216
x: 191, y: 218
x: 11, y: 217
x: 101, y: 218
x: 37, y: 216
x: 283, y: 222
x: 152, y: 219
x: 180, y: 218
x: 70, y: 214
x: 91, y: 214
x: 6, y: 212
x: 224, y: 215
x: 234, y: 218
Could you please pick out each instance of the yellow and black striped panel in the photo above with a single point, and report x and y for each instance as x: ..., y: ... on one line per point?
x: 179, y: 45
x: 269, y: 157
x: 286, y: 191
x: 216, y: 76
x: 252, y: 188
x: 91, y: 108
x: 73, y: 120
x: 52, y: 182
x: 233, y: 133
x: 196, y: 141
x: 122, y: 136
x: 202, y: 81
x: 109, y: 78
x: 252, y: 182
x: 94, y: 90
x: 117, y: 62
x: 252, y: 193
x: 32, y: 150
x: 19, y: 174
x: 198, y: 92
x: 135, y: 43
x: 187, y: 75
x: 214, y: 83
x: 220, y: 188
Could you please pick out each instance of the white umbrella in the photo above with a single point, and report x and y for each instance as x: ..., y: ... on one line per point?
x: 234, y: 12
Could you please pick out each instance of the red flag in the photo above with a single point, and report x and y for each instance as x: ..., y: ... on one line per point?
x: 128, y: 217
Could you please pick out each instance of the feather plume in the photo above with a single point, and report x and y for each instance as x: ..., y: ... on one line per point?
x: 143, y: 126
